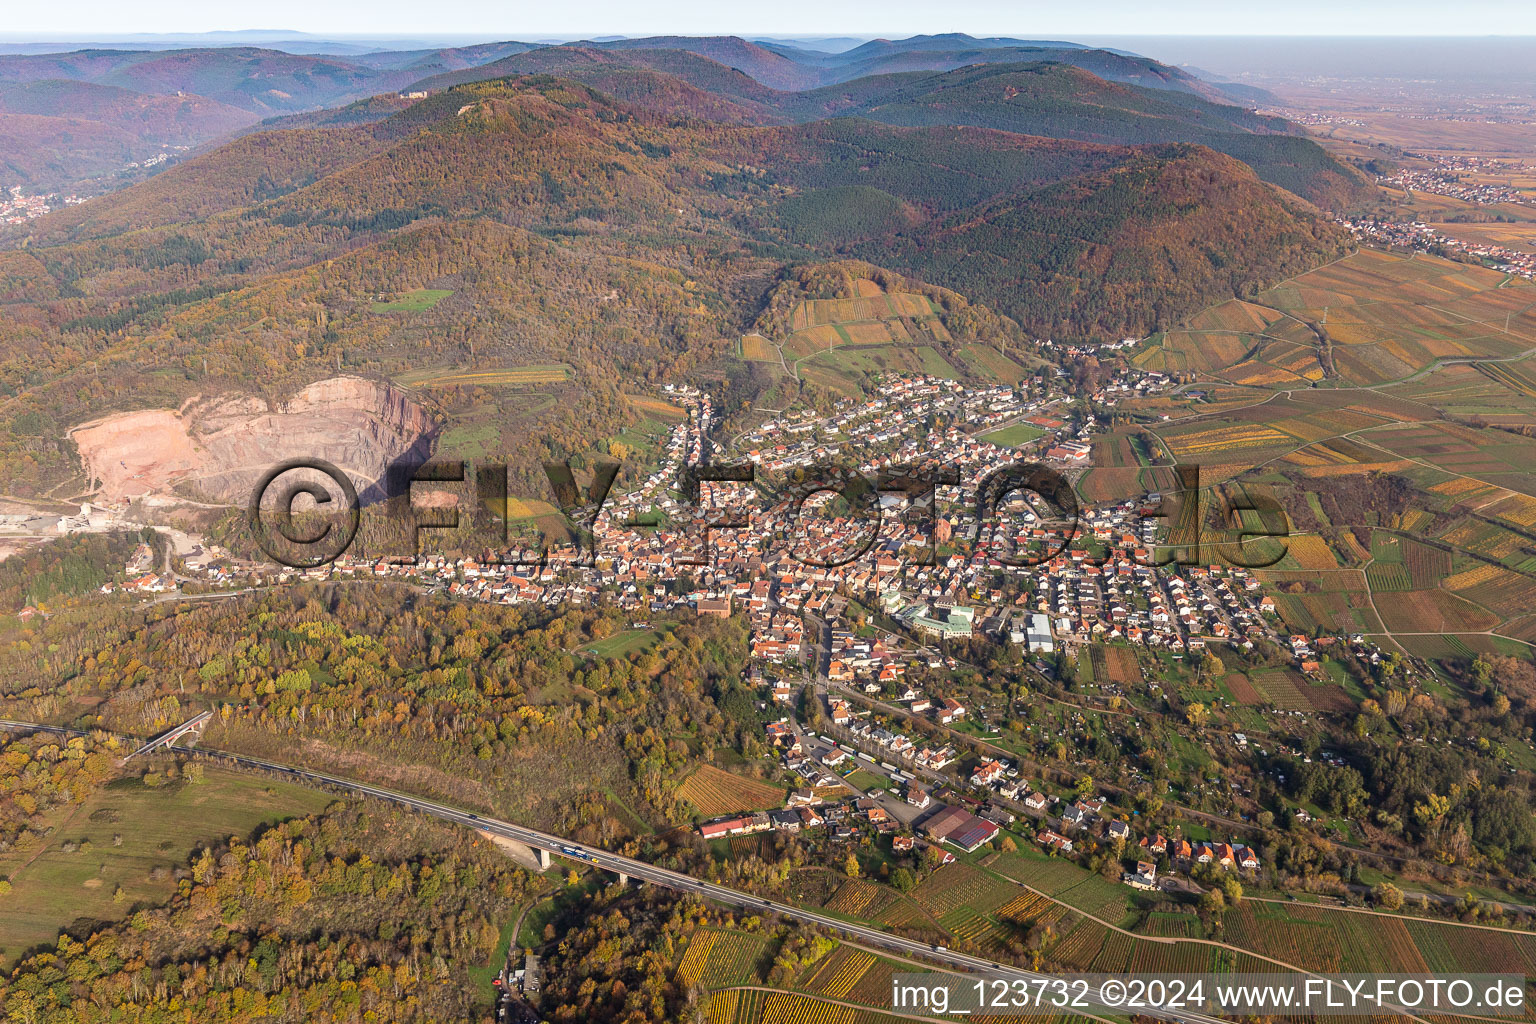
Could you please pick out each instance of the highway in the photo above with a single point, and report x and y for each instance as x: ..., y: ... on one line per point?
x: 602, y: 858
x: 606, y: 860
x: 650, y: 873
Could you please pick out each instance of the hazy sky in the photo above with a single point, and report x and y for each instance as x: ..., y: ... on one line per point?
x: 521, y: 19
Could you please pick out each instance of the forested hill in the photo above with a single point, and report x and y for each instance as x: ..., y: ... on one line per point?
x: 574, y: 228
x: 90, y: 119
x: 1121, y: 251
x: 1093, y: 97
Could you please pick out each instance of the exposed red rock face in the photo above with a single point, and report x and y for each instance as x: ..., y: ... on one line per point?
x: 217, y: 449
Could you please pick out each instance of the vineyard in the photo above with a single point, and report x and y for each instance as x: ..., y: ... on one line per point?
x: 1182, y: 958
x: 1517, y: 508
x: 733, y: 958
x: 1050, y: 875
x: 1389, y: 316
x: 1097, y: 897
x: 749, y: 1008
x: 1029, y: 908
x: 1426, y: 566
x: 1434, y: 611
x: 1171, y: 924
x: 488, y: 378
x: 1267, y: 929
x: 989, y: 362
x: 1079, y: 947
x: 1504, y: 591
x: 1228, y: 437
x: 838, y: 972
x: 1281, y: 688
x: 1309, y: 551
x: 782, y: 1008
x: 854, y: 897
x: 815, y: 312
x: 1243, y: 691
x: 1485, y: 539
x: 1518, y: 381
x: 970, y: 930
x: 714, y: 792
x: 1473, y: 949
x: 960, y: 885
x: 1387, y: 577
x: 1115, y: 664
x: 721, y: 1007
x: 691, y: 968
x: 657, y: 407
x: 1115, y: 956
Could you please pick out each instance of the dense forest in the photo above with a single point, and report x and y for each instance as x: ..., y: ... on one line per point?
x: 68, y: 567
x: 361, y: 913
x: 486, y: 697
x: 573, y: 228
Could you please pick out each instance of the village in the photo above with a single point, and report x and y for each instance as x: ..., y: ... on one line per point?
x: 934, y: 818
x: 1419, y: 237
x: 1446, y: 179
x: 837, y: 628
x: 17, y: 208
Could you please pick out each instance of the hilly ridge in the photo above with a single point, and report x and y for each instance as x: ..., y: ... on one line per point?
x: 721, y: 78
x: 106, y: 129
x: 573, y: 227
x: 1045, y: 98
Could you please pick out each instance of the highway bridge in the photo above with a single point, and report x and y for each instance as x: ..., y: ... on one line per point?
x: 625, y: 867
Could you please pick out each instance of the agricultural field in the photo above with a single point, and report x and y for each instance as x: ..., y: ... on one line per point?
x: 1494, y: 392
x: 1434, y: 611
x: 129, y: 836
x: 1465, y: 647
x: 758, y: 349
x: 989, y: 363
x: 1314, y: 601
x: 512, y: 376
x: 1266, y: 928
x: 714, y: 792
x: 1488, y: 541
x: 788, y: 1008
x: 1120, y: 450
x: 1399, y: 563
x: 858, y: 898
x: 1326, y: 939
x: 1486, y: 465
x: 1369, y: 320
x: 1387, y: 316
x: 1110, y: 484
x: 1281, y: 688
x: 960, y: 885
x: 837, y: 973
x: 1029, y: 908
x: 1287, y: 424
x: 1215, y: 341
x: 840, y: 344
x: 1115, y: 664
x: 715, y: 958
x: 1502, y: 591
x: 659, y: 408
x: 1308, y: 551
x: 418, y: 301
x: 877, y: 306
